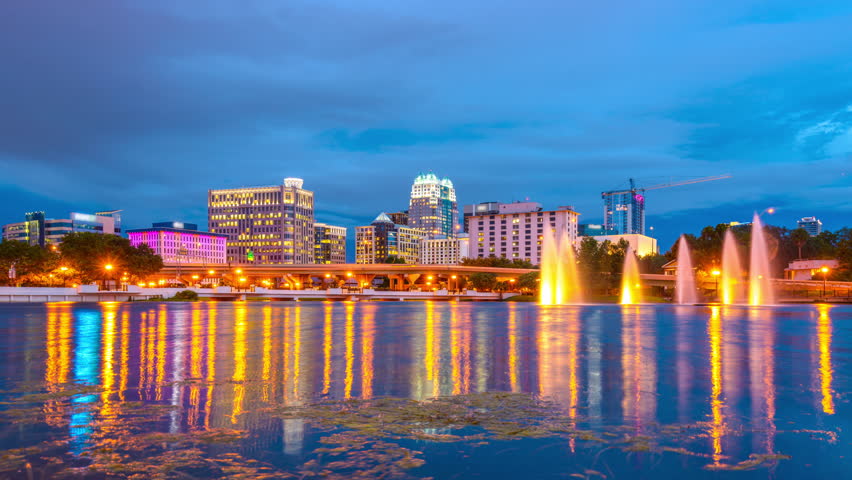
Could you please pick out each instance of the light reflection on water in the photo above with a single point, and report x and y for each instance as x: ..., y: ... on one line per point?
x: 747, y: 374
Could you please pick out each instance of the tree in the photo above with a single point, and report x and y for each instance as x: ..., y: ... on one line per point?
x: 393, y: 259
x: 499, y: 262
x: 800, y: 237
x: 528, y: 281
x: 483, y: 281
x: 90, y: 253
x: 32, y: 263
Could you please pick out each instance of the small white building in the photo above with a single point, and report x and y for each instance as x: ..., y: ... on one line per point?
x: 808, y: 269
x: 443, y: 251
x: 641, y: 244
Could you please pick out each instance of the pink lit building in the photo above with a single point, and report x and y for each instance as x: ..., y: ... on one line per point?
x: 179, y: 243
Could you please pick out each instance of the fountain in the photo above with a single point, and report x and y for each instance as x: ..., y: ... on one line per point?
x: 685, y: 282
x: 731, y: 287
x: 631, y: 288
x: 560, y: 283
x: 760, y: 285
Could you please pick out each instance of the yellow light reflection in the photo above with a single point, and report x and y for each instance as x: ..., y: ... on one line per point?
x: 824, y: 331
x: 433, y: 348
x: 456, y: 352
x: 368, y: 333
x: 211, y: 363
x: 715, y: 332
x: 514, y: 382
x: 125, y: 354
x: 107, y: 362
x: 240, y: 350
x: 195, y: 354
x: 327, y: 342
x: 266, y: 374
x: 162, y: 332
x: 349, y: 340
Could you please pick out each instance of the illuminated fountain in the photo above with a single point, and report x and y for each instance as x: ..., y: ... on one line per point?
x: 631, y: 286
x: 685, y: 282
x: 760, y: 285
x: 731, y: 286
x: 559, y: 283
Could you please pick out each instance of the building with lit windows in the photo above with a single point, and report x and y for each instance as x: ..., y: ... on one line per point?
x: 484, y: 208
x: 381, y: 239
x: 270, y: 225
x: 36, y: 229
x: 624, y: 213
x: 178, y: 242
x: 812, y: 225
x: 433, y: 208
x: 443, y: 251
x: 329, y: 244
x: 516, y: 232
x: 399, y: 218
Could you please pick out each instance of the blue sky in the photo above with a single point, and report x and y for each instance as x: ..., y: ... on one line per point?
x: 144, y: 106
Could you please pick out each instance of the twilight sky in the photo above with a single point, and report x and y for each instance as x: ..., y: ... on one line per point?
x: 143, y: 106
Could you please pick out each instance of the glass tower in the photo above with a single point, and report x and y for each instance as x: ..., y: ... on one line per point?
x: 624, y: 213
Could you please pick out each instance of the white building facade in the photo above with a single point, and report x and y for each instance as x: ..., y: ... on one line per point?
x: 443, y: 251
x: 516, y: 232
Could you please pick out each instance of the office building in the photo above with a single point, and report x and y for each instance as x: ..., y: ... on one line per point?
x: 433, y: 208
x: 443, y: 251
x: 180, y: 243
x: 381, y: 239
x: 812, y: 225
x: 36, y: 229
x: 484, y: 208
x: 329, y: 244
x: 624, y: 212
x: 399, y: 218
x: 641, y: 244
x: 270, y: 225
x: 516, y: 232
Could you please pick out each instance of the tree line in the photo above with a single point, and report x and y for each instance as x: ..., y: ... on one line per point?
x: 81, y: 258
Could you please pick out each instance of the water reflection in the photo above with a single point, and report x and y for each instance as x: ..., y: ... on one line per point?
x: 221, y: 365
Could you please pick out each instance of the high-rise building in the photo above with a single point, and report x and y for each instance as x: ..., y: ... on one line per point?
x: 265, y: 225
x: 484, y: 208
x: 381, y: 239
x: 178, y: 243
x: 399, y: 218
x: 329, y: 244
x: 443, y: 251
x: 812, y: 225
x: 36, y: 229
x: 516, y: 232
x: 433, y: 208
x: 624, y: 212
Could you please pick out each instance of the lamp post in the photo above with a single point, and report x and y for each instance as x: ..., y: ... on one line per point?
x: 512, y: 281
x: 824, y: 271
x: 108, y: 267
x: 716, y: 274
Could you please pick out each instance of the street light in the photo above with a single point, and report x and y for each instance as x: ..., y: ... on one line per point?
x: 211, y: 272
x: 824, y: 271
x: 108, y: 267
x: 716, y: 274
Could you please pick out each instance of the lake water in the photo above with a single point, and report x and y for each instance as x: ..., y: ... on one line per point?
x: 313, y: 389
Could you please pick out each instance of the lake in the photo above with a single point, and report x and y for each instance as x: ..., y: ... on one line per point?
x: 424, y: 389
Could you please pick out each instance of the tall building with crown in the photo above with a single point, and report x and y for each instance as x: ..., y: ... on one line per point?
x: 433, y: 208
x: 265, y: 225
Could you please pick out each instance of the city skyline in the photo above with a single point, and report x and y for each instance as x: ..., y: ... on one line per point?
x: 150, y: 126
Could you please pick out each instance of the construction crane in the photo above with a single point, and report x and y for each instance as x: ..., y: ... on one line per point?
x: 624, y: 210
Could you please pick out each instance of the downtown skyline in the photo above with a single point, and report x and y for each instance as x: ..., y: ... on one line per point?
x: 146, y: 107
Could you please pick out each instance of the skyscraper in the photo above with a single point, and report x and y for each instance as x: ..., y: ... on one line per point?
x: 812, y: 225
x: 433, y: 206
x: 624, y: 212
x: 265, y: 225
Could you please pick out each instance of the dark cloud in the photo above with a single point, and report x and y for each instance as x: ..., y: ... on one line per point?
x: 146, y: 105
